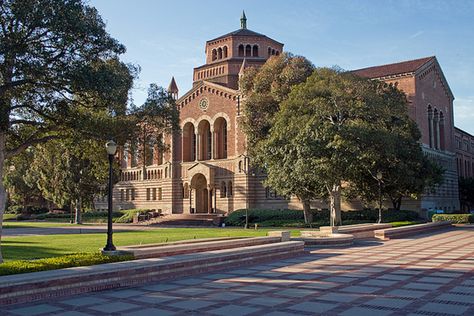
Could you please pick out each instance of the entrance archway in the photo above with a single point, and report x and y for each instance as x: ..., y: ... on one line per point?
x: 201, y: 193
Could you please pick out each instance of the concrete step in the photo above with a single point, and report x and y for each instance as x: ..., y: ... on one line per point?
x: 205, y: 220
x: 46, y: 285
x: 165, y: 250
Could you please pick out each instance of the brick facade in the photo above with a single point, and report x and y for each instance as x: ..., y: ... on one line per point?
x: 206, y: 170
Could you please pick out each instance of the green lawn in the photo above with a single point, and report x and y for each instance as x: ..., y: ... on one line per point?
x: 33, y: 247
x: 22, y: 224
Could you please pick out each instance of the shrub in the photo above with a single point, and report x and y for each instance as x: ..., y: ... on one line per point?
x: 454, y: 218
x: 36, y: 210
x: 320, y: 217
x: 14, y: 209
x: 75, y: 260
x: 127, y: 216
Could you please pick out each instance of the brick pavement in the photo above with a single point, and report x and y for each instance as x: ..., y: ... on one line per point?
x: 429, y: 275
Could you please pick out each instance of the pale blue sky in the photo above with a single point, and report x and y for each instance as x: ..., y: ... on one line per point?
x: 166, y: 38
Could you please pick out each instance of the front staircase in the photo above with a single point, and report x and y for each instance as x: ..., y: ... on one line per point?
x: 200, y: 220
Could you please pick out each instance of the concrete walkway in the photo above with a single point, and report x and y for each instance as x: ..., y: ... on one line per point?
x: 428, y: 275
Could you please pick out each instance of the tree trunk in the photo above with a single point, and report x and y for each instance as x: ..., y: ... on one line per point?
x: 308, y: 217
x: 78, y: 217
x: 335, y: 204
x: 3, y: 193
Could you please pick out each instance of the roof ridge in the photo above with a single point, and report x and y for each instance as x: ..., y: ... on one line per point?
x: 396, y: 63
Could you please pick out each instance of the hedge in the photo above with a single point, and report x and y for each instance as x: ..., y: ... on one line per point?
x: 127, y: 216
x: 68, y: 261
x: 265, y: 217
x: 454, y: 218
x: 85, y: 215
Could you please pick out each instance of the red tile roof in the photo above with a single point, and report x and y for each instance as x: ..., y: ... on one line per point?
x: 392, y: 69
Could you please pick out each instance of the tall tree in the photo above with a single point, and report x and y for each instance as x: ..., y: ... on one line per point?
x: 21, y: 180
x: 264, y: 89
x: 390, y: 149
x: 71, y: 171
x: 319, y: 135
x: 54, y: 56
x: 157, y: 117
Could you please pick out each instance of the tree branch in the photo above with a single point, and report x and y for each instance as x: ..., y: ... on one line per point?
x: 28, y: 143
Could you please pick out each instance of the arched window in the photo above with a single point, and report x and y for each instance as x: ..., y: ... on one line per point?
x: 269, y: 51
x: 219, y: 53
x: 126, y: 153
x: 273, y: 52
x: 255, y: 51
x: 149, y: 152
x: 223, y: 190
x: 229, y: 188
x: 240, y: 166
x: 205, y: 143
x: 214, y: 54
x: 441, y: 131
x: 224, y: 51
x: 220, y: 138
x: 248, y: 51
x: 166, y: 172
x: 430, y: 126
x: 436, y: 128
x: 134, y: 149
x: 241, y: 50
x: 189, y: 142
x: 277, y: 53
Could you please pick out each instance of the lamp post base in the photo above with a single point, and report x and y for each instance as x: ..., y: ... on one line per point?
x: 113, y: 252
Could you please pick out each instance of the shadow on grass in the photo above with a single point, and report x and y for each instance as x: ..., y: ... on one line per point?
x: 13, y: 250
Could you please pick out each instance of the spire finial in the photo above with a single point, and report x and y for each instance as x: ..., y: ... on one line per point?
x: 243, y: 21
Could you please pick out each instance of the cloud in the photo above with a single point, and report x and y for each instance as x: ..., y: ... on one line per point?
x: 415, y: 35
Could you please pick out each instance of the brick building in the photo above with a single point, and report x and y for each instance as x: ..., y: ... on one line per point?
x: 206, y: 170
x: 430, y: 104
x: 464, y: 147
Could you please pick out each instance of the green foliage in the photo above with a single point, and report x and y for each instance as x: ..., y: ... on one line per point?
x: 14, y: 209
x: 75, y: 260
x: 454, y: 218
x: 71, y: 169
x: 266, y: 88
x: 128, y: 215
x: 295, y: 218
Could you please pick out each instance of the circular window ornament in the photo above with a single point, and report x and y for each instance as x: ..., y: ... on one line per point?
x: 204, y: 104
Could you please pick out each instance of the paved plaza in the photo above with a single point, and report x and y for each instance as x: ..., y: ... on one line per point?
x: 427, y: 275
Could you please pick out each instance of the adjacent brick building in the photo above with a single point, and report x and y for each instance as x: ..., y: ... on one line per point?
x: 207, y: 168
x: 464, y: 147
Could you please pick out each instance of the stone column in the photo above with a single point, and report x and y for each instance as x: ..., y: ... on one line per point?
x: 430, y: 122
x: 213, y: 144
x: 436, y: 134
x: 209, y: 199
x: 198, y: 145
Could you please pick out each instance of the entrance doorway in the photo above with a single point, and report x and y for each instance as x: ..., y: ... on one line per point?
x: 201, y: 193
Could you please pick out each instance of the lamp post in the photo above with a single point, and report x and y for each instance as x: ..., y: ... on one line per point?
x: 379, y: 177
x: 111, y: 148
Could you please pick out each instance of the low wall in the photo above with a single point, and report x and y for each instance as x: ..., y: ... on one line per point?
x: 29, y: 287
x: 396, y: 232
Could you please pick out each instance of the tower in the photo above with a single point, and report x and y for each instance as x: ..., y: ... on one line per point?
x: 173, y: 89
